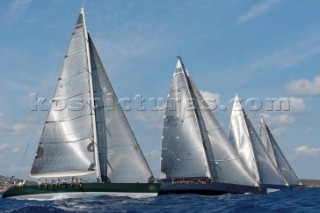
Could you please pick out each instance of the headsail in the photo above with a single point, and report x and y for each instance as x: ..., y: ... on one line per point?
x: 226, y: 164
x: 66, y: 143
x: 250, y: 148
x: 121, y: 158
x: 276, y: 154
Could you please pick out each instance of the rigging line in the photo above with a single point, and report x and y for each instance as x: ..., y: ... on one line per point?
x: 22, y: 161
x: 154, y: 138
x: 161, y: 118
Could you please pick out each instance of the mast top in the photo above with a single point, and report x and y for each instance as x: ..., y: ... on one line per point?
x: 179, y: 63
x: 82, y: 10
x: 82, y: 7
x: 236, y: 104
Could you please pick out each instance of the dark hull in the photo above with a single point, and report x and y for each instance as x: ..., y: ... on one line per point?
x: 85, y: 190
x: 209, y: 189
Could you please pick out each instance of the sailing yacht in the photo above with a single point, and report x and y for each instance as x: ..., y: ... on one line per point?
x: 277, y: 156
x: 90, y: 136
x: 196, y: 156
x: 251, y: 150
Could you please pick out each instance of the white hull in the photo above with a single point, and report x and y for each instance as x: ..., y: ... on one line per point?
x: 271, y: 190
x: 66, y: 195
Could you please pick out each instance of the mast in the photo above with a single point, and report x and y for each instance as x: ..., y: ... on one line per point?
x: 94, y: 127
x: 199, y: 119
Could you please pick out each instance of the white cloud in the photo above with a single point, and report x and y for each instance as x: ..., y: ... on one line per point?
x: 153, y: 119
x: 18, y: 128
x: 9, y: 149
x: 279, y: 131
x: 15, y: 150
x: 296, y: 105
x: 309, y: 130
x: 4, y: 127
x: 279, y: 121
x: 282, y: 114
x: 307, y: 151
x: 304, y: 87
x: 3, y: 146
x: 287, y: 105
x: 16, y: 9
x: 257, y: 10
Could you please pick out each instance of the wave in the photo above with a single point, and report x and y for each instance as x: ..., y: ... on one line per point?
x: 290, y: 200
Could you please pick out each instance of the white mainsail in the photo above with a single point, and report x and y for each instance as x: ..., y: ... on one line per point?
x: 276, y: 154
x: 253, y: 154
x: 194, y: 144
x: 183, y: 153
x: 66, y: 143
x: 91, y: 133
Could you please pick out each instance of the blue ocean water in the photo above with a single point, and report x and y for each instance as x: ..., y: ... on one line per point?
x: 291, y: 200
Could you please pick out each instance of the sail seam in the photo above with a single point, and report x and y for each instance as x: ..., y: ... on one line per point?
x: 64, y: 142
x: 74, y: 53
x: 60, y: 121
x: 70, y: 76
x: 63, y: 99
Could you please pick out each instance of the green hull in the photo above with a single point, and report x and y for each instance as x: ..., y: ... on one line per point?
x: 85, y: 190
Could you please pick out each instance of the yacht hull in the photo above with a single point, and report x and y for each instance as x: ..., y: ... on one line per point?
x: 209, y: 189
x: 135, y: 190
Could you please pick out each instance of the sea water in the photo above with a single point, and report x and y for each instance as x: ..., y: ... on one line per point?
x: 290, y: 200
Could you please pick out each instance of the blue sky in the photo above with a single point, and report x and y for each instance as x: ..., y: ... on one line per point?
x: 256, y: 49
